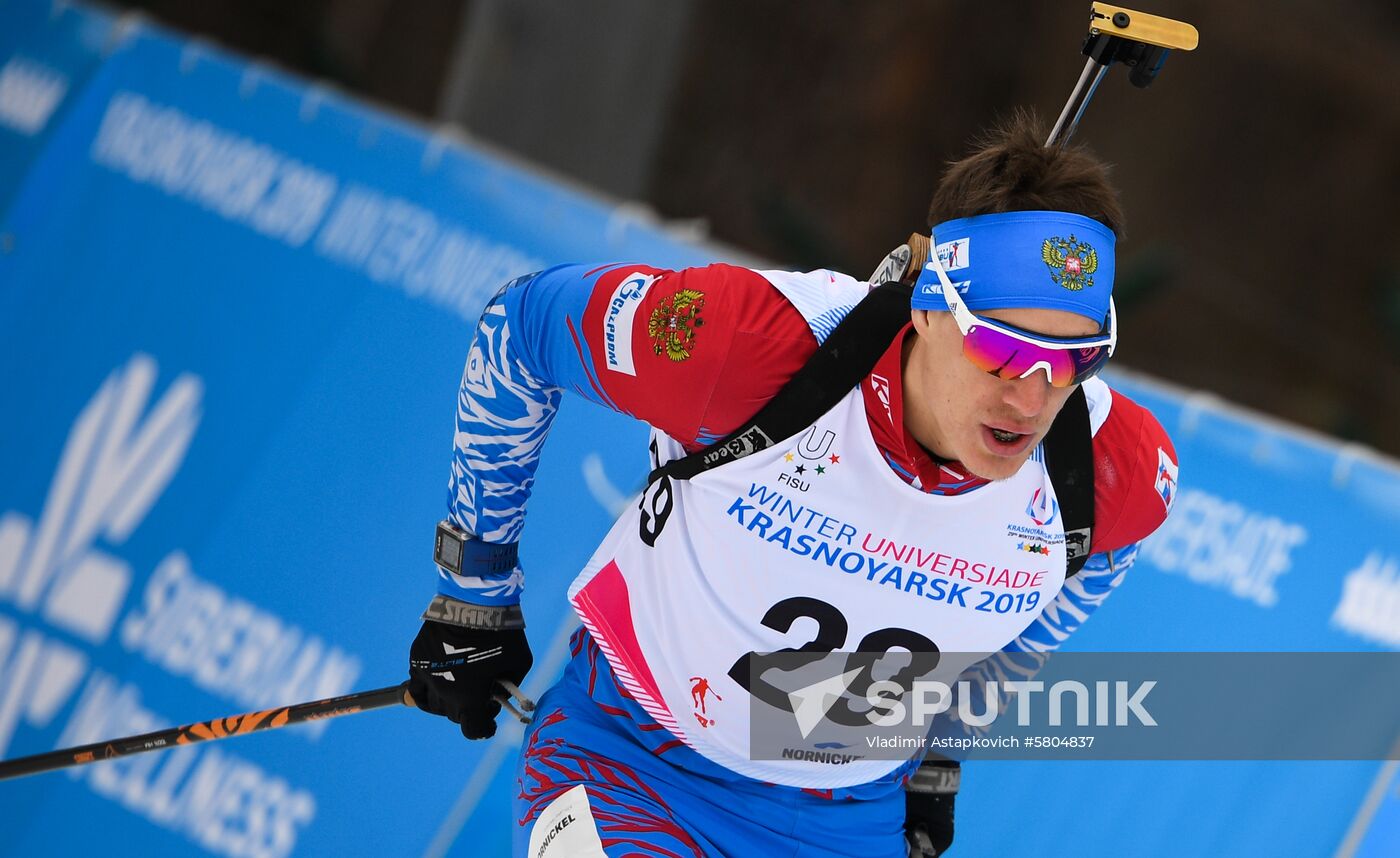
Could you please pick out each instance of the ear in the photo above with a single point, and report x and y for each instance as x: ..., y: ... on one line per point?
x: 922, y: 323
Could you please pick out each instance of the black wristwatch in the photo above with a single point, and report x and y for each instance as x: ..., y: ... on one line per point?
x: 455, y: 549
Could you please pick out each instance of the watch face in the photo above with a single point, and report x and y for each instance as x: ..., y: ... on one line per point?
x: 452, y: 553
x: 449, y: 550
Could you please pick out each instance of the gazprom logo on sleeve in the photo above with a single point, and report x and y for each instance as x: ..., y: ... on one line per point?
x: 617, y: 321
x: 953, y: 255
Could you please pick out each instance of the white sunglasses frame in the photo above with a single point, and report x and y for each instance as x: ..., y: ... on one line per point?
x: 966, y: 320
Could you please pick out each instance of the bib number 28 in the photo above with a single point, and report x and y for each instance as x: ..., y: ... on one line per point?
x: 832, y: 630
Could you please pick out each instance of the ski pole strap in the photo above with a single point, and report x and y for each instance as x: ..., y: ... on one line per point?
x: 839, y: 364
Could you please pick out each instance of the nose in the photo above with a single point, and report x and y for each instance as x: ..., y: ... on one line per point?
x: 1029, y: 395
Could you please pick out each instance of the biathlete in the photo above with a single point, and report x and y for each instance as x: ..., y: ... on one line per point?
x: 882, y: 524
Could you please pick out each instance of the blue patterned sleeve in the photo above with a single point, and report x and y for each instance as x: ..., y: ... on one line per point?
x: 511, y: 387
x: 1077, y: 600
x: 1023, y: 658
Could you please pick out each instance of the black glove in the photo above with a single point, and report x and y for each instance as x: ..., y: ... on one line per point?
x: 454, y: 671
x: 928, y: 808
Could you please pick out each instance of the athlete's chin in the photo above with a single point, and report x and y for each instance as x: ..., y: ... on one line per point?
x: 993, y: 466
x: 994, y: 470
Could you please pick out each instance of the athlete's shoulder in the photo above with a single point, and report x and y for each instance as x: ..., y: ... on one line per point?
x: 823, y: 296
x: 692, y: 351
x: 717, y: 275
x: 811, y: 293
x: 1135, y: 468
x: 633, y: 306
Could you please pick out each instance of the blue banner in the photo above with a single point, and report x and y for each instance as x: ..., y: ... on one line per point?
x: 234, y: 309
x: 47, y: 53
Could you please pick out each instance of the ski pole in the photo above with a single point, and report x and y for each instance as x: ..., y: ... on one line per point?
x: 239, y: 725
x: 219, y: 728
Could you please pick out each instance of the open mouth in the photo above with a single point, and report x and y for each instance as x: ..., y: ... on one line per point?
x: 1005, y: 442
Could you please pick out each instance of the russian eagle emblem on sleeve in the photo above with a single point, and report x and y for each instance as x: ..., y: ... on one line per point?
x: 673, y: 324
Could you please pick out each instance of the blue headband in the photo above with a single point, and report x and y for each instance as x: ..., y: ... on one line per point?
x: 1055, y: 260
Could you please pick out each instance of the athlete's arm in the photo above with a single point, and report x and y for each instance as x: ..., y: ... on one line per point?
x: 1076, y: 601
x: 691, y: 352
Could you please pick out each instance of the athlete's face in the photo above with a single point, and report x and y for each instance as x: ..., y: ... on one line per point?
x: 957, y: 411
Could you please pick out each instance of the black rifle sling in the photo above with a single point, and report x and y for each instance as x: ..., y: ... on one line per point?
x: 847, y: 356
x: 839, y: 364
x: 1069, y: 459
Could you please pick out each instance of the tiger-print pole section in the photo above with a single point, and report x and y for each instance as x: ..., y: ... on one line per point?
x: 219, y: 728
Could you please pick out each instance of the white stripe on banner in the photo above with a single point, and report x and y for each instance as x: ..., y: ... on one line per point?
x: 386, y: 238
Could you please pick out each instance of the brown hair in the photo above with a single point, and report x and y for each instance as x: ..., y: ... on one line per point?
x: 1011, y: 170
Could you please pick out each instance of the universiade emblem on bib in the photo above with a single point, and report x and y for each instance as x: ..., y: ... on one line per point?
x: 1070, y: 261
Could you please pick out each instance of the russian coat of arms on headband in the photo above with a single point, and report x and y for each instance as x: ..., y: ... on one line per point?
x: 673, y: 324
x: 1071, y: 262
